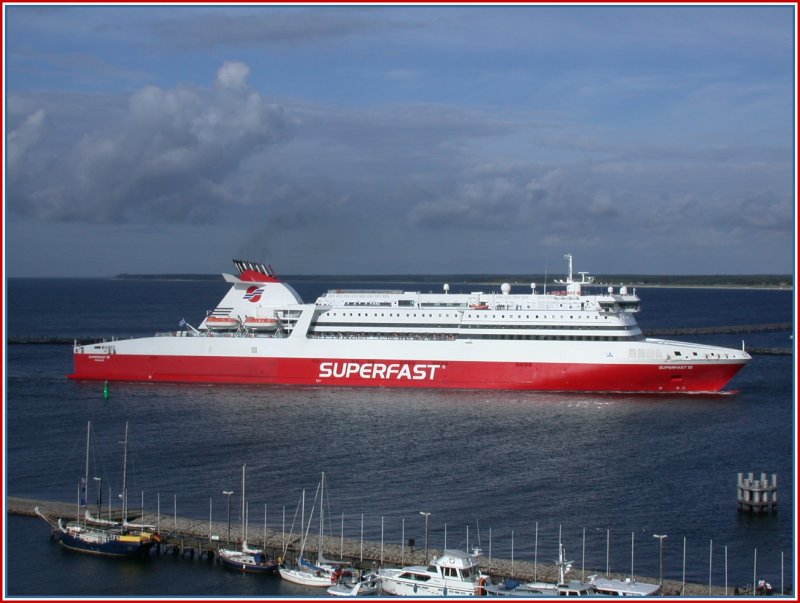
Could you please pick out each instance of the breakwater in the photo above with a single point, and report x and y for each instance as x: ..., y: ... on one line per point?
x: 198, y: 538
x: 757, y: 328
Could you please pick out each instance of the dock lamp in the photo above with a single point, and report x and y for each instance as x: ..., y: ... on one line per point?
x: 661, y: 538
x: 426, y: 533
x: 228, y: 494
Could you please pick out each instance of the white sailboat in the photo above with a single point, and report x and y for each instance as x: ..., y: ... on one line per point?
x: 304, y: 571
x: 247, y: 559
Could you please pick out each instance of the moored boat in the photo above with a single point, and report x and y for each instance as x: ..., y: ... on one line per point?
x: 563, y: 588
x: 247, y: 559
x: 567, y: 339
x: 623, y: 588
x: 308, y: 573
x: 454, y: 573
x: 106, y: 538
x: 355, y: 584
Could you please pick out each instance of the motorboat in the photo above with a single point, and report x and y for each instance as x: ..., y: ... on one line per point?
x: 355, y: 584
x: 454, y: 573
x: 623, y: 588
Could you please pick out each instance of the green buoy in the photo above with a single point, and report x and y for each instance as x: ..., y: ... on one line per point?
x: 105, y: 390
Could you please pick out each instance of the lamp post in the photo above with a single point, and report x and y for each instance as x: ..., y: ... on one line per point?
x: 426, y: 533
x: 228, y: 494
x: 661, y: 538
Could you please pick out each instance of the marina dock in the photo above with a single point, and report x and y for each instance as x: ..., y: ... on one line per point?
x: 202, y: 539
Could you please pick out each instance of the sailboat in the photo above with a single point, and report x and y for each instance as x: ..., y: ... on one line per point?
x: 123, y: 523
x: 117, y: 540
x: 323, y: 572
x: 247, y: 559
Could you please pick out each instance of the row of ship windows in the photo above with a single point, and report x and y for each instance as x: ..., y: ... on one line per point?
x: 406, y: 315
x: 453, y: 337
x: 538, y: 327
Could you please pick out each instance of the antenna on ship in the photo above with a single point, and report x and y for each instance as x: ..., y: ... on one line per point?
x: 545, y: 276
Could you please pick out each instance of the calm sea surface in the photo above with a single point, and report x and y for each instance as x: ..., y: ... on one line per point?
x: 478, y: 462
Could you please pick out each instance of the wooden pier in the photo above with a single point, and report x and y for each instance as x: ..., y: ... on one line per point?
x: 757, y: 495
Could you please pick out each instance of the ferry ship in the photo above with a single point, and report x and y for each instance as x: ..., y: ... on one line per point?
x: 566, y: 340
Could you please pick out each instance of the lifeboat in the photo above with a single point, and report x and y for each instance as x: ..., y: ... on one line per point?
x: 221, y: 323
x: 261, y: 324
x: 479, y: 306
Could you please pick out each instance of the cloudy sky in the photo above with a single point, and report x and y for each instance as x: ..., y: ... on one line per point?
x: 399, y: 139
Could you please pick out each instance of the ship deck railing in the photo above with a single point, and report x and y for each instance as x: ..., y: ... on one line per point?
x: 237, y: 334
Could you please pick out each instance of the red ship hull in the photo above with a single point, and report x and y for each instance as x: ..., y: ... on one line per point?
x: 556, y: 376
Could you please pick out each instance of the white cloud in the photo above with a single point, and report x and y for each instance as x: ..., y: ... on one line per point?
x: 233, y: 75
x: 24, y: 139
x: 168, y: 157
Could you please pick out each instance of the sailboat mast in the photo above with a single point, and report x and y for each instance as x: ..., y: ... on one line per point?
x: 244, y: 517
x: 303, y: 523
x: 83, y: 500
x: 321, y: 514
x: 125, y: 478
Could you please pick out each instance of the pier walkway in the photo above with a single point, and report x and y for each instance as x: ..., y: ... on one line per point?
x: 197, y: 538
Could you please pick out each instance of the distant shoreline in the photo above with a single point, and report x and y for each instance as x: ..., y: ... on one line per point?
x: 755, y: 282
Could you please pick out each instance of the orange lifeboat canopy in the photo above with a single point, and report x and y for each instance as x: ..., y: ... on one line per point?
x: 222, y: 323
x: 256, y: 323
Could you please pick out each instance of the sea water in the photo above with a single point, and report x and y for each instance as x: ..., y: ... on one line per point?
x: 604, y: 471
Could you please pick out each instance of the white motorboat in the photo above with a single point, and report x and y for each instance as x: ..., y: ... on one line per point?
x: 573, y: 588
x: 454, y: 573
x: 355, y: 584
x: 623, y: 588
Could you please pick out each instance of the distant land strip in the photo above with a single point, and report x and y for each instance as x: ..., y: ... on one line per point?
x: 771, y: 281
